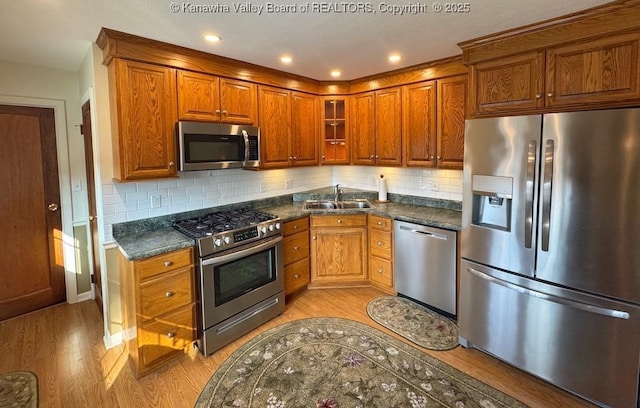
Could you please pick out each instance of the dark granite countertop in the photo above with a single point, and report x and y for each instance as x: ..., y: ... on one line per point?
x: 145, y: 238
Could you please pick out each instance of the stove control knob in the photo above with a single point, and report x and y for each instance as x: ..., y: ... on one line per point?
x: 277, y: 225
x: 217, y: 242
x: 271, y: 227
x: 264, y: 230
x: 226, y: 240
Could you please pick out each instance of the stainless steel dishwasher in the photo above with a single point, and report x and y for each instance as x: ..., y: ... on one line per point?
x: 425, y: 265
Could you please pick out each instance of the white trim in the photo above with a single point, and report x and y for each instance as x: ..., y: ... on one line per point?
x: 85, y: 296
x: 112, y: 340
x: 64, y: 180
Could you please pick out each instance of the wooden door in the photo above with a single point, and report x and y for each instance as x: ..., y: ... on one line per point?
x: 509, y: 84
x: 452, y: 109
x: 419, y: 124
x: 304, y: 129
x: 144, y: 104
x: 238, y: 102
x: 388, y: 127
x: 30, y: 220
x: 362, y: 128
x: 198, y: 96
x: 338, y: 255
x: 91, y: 196
x: 274, y: 111
x: 599, y: 71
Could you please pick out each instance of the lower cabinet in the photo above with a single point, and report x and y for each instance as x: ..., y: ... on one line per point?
x: 339, y: 251
x: 381, y: 252
x: 157, y: 308
x: 296, y: 255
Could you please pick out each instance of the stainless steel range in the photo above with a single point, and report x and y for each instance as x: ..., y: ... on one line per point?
x: 239, y: 273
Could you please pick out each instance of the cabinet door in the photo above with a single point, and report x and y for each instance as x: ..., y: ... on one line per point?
x: 508, y: 84
x: 274, y: 110
x: 304, y: 129
x: 362, y: 128
x: 388, y: 126
x: 419, y: 124
x: 238, y: 102
x: 338, y: 255
x: 144, y: 108
x: 452, y: 103
x: 198, y: 96
x: 604, y: 70
x: 335, y: 140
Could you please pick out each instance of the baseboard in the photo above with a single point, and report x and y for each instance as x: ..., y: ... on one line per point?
x: 84, y: 296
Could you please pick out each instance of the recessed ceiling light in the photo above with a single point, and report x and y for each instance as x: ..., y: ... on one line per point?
x: 286, y: 59
x: 394, y: 58
x: 336, y: 73
x: 213, y: 38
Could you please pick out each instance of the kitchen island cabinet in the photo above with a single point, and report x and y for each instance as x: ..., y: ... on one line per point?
x: 158, y: 308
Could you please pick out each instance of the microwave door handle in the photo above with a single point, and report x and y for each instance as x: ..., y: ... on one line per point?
x: 246, y: 148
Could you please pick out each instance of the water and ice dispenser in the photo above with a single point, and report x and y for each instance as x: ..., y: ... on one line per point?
x: 492, y: 196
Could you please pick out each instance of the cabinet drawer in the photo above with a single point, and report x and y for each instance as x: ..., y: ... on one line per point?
x: 163, y: 263
x: 296, y: 247
x: 296, y: 276
x: 339, y: 221
x: 380, y: 244
x: 164, y: 294
x: 382, y: 223
x: 293, y: 227
x: 162, y: 337
x: 381, y: 271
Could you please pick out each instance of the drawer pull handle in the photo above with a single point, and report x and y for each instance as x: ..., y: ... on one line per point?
x: 169, y: 293
x: 168, y: 263
x: 296, y: 276
x: 171, y: 334
x: 380, y: 243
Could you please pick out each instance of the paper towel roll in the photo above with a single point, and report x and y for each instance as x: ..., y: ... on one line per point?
x: 382, y: 189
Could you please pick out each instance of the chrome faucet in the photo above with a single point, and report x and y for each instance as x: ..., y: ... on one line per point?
x: 336, y: 192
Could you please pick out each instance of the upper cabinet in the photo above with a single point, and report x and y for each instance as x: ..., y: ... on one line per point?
x: 211, y: 98
x: 376, y: 127
x: 335, y: 141
x: 143, y: 119
x: 288, y: 128
x: 433, y: 122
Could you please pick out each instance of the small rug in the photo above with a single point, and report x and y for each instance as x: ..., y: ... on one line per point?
x: 339, y: 363
x: 414, y: 322
x: 19, y: 389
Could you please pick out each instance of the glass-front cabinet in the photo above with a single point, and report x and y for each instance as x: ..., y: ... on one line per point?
x: 335, y: 146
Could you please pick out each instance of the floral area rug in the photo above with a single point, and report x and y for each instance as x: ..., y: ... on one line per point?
x: 339, y: 363
x: 414, y: 322
x: 19, y: 389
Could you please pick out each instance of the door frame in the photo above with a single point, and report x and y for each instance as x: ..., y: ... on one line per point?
x: 64, y: 180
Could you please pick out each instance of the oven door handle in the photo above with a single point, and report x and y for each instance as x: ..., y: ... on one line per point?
x: 242, y: 253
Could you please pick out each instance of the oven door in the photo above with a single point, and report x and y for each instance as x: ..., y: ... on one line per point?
x: 236, y: 281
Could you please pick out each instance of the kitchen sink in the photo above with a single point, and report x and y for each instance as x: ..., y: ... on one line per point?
x: 336, y: 205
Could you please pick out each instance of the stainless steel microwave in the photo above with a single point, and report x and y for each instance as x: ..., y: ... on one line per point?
x: 211, y: 146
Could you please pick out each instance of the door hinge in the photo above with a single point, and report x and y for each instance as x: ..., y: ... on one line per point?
x: 82, y: 129
x: 93, y: 278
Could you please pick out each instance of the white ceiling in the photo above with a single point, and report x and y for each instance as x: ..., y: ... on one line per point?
x: 58, y: 33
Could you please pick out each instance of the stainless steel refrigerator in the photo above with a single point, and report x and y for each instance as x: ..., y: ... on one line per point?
x: 550, y: 275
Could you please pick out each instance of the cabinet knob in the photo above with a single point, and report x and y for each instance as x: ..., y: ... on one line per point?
x: 339, y: 221
x: 290, y: 158
x: 53, y: 207
x: 295, y: 248
x: 171, y: 334
x: 323, y: 157
x: 550, y: 94
x: 169, y: 293
x: 295, y: 227
x: 295, y: 158
x: 371, y: 157
x: 379, y: 222
x: 438, y: 157
x: 380, y: 243
x: 217, y: 111
x: 380, y: 271
x: 225, y: 113
x: 315, y: 238
x: 377, y: 157
x: 296, y: 276
x: 538, y: 96
x: 168, y: 263
x: 171, y: 164
x: 430, y: 157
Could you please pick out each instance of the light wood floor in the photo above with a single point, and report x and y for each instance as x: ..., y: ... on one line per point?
x: 63, y: 346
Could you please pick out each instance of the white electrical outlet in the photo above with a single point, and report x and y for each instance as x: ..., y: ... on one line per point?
x: 263, y: 186
x: 288, y: 184
x: 156, y: 201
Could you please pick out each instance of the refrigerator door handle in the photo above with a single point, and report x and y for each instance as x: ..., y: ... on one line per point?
x: 586, y: 307
x: 529, y: 185
x: 546, y: 193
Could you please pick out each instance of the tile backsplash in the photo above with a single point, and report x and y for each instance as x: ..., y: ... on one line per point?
x: 203, y: 189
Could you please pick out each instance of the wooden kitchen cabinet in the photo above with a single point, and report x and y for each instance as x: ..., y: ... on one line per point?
x: 451, y: 114
x: 381, y: 252
x: 158, y: 305
x: 339, y: 251
x: 296, y: 255
x: 216, y: 99
x: 376, y: 127
x: 143, y: 119
x: 335, y: 139
x: 288, y: 128
x: 599, y: 73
